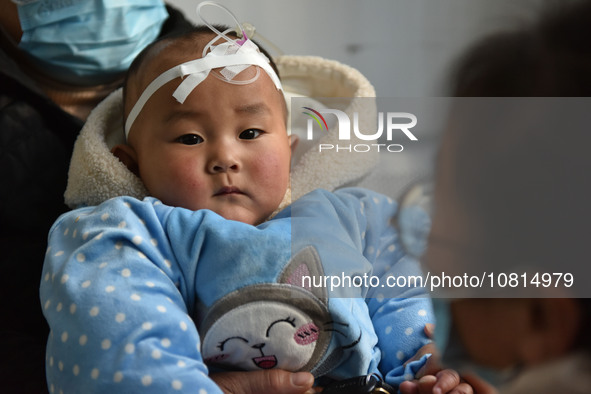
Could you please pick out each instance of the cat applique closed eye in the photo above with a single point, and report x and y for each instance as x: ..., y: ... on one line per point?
x: 282, y: 325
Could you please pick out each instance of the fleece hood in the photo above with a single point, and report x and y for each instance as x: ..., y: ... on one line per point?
x: 96, y: 175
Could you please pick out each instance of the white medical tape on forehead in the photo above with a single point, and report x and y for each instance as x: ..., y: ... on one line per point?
x: 196, y: 71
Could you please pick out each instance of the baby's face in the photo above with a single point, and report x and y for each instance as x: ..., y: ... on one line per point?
x: 225, y: 148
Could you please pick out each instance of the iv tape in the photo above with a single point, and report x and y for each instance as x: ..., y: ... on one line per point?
x: 196, y: 71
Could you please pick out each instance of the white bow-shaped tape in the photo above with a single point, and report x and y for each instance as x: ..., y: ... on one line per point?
x: 197, y: 70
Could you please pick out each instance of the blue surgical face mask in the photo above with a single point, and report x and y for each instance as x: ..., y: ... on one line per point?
x: 88, y: 42
x: 453, y: 353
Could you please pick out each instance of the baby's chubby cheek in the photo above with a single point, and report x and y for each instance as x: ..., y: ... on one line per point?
x: 177, y: 188
x: 273, y: 168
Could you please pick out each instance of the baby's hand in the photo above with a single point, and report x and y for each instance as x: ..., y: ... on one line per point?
x: 432, y: 379
x: 446, y: 381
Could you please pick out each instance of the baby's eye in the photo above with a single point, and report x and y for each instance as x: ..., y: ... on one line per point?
x: 250, y: 134
x: 189, y: 139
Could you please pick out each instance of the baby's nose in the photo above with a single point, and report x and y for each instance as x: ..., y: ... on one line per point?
x: 224, y: 167
x: 223, y: 160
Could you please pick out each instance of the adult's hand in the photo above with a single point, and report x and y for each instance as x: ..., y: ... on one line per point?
x: 270, y: 381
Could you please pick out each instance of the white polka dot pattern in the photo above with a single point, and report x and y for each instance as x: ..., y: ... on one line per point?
x: 117, y: 295
x: 98, y: 297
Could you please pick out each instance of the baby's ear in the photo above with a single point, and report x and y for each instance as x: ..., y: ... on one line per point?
x: 127, y: 155
x: 293, y: 142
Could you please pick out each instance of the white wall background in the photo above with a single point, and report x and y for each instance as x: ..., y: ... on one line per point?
x: 404, y: 47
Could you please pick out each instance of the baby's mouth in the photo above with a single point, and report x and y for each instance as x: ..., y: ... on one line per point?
x: 265, y: 362
x: 226, y: 190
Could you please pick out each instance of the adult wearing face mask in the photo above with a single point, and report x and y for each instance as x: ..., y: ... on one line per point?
x: 58, y: 59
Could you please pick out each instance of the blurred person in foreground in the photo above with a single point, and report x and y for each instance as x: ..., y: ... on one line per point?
x: 512, y: 192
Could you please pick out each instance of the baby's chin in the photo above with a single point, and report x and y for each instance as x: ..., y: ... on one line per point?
x: 237, y: 207
x: 240, y: 214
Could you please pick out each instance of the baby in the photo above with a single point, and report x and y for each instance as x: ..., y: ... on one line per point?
x: 211, y: 271
x: 226, y: 148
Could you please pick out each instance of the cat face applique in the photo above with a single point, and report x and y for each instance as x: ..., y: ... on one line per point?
x: 283, y: 325
x: 278, y: 336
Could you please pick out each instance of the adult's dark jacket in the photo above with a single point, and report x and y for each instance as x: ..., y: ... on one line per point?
x: 36, y: 140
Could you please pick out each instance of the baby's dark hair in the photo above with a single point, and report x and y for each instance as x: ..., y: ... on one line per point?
x: 525, y: 183
x: 194, y: 35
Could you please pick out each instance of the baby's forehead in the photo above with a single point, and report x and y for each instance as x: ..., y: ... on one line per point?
x: 170, y: 53
x: 164, y: 61
x: 160, y: 57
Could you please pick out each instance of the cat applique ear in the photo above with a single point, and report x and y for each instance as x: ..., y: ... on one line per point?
x: 305, y: 270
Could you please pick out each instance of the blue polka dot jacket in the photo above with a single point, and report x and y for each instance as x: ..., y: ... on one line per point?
x: 143, y: 297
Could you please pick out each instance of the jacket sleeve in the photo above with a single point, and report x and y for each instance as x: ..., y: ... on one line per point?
x: 114, y: 302
x: 399, y: 307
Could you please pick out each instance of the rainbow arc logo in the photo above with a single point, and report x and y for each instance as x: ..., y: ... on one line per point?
x: 346, y: 129
x: 317, y: 117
